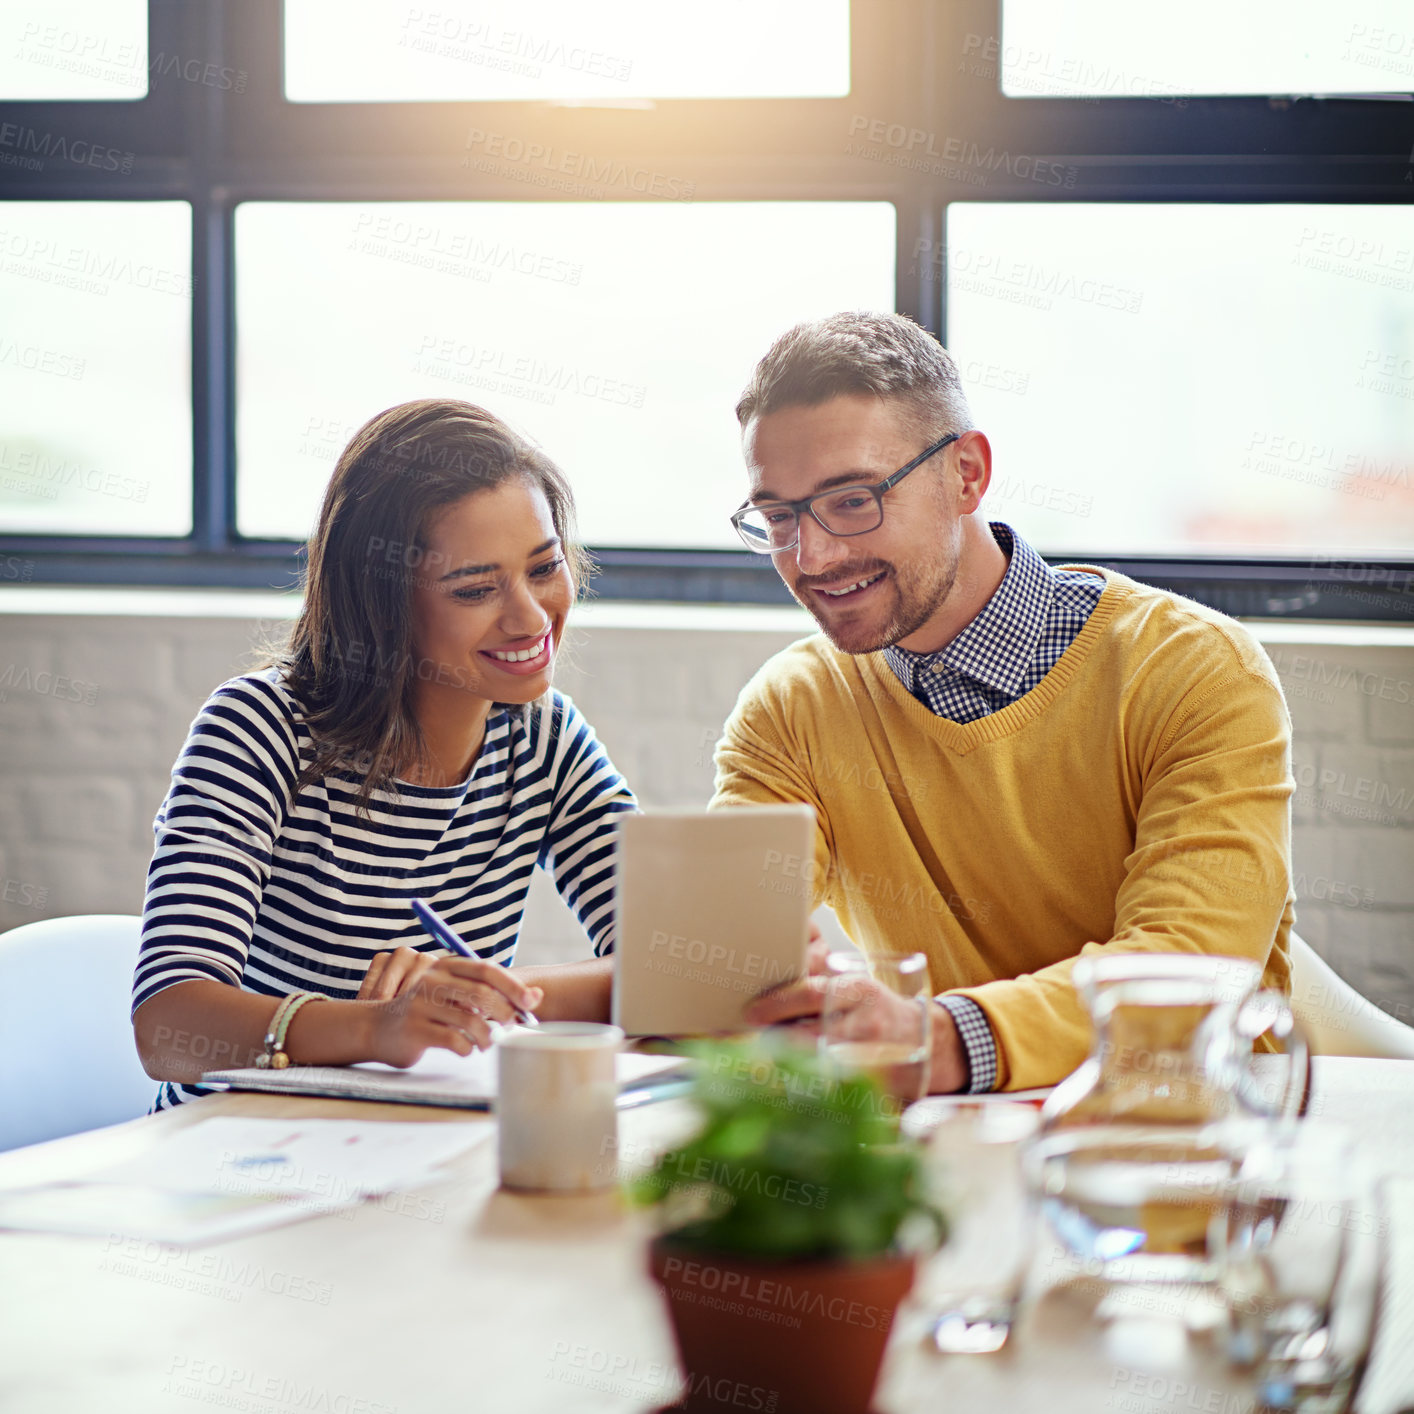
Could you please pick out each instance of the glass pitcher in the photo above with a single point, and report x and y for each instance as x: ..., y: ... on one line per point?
x: 1135, y: 1157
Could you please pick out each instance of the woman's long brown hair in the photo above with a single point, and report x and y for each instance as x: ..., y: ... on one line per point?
x: 350, y: 657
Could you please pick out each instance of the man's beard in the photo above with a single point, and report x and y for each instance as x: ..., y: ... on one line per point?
x: 917, y: 595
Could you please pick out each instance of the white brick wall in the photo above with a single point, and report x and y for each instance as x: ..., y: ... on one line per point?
x: 1352, y: 710
x: 93, y: 709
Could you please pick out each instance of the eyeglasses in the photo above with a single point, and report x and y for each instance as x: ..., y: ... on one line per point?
x: 843, y: 510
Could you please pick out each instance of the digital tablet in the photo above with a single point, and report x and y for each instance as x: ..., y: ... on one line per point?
x: 712, y: 908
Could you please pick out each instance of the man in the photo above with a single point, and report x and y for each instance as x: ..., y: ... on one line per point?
x: 1010, y: 765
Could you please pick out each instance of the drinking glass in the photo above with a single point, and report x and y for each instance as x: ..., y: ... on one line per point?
x: 970, y: 1288
x: 1297, y: 1198
x: 1137, y: 1203
x: 1375, y: 1305
x: 862, y: 1032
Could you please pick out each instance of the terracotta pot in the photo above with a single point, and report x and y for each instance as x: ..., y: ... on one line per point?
x: 782, y: 1337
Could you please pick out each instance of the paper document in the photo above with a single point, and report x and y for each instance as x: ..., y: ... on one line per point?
x: 227, y: 1176
x: 121, y: 1210
x: 343, y: 1159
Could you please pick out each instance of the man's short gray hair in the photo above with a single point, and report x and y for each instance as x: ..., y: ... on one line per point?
x: 860, y: 352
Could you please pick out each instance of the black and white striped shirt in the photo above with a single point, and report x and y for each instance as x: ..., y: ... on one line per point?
x: 274, y: 893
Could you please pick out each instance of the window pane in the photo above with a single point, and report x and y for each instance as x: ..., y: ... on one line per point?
x: 1191, y: 379
x: 52, y: 49
x: 619, y: 335
x: 371, y: 51
x: 95, y: 367
x: 1117, y: 49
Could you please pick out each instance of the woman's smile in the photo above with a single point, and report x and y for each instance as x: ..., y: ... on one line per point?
x: 532, y: 657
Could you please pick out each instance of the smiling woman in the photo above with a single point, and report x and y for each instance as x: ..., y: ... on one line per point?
x: 407, y: 744
x: 492, y: 623
x: 444, y: 539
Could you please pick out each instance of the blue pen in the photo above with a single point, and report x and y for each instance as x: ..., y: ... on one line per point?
x: 444, y: 935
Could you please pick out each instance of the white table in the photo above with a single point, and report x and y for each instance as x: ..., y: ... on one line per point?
x: 460, y: 1297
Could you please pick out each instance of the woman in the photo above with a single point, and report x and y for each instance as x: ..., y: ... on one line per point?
x: 407, y: 744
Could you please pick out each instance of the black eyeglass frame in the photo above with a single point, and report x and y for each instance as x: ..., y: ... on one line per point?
x: 807, y: 506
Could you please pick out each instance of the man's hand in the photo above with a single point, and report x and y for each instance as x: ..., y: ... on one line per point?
x: 800, y: 1003
x: 797, y: 1002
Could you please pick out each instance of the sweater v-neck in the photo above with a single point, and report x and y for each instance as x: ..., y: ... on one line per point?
x: 963, y: 737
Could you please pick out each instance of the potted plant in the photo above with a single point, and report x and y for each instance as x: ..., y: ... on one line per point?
x: 788, y: 1232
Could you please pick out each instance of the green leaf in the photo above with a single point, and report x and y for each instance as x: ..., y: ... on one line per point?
x: 791, y: 1160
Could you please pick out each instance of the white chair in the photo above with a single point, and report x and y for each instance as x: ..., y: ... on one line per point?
x: 1337, y: 1020
x: 67, y: 1057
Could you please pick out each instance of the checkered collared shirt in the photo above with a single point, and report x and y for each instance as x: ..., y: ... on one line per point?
x: 1000, y: 656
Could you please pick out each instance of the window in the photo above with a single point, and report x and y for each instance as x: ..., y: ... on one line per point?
x: 364, y: 51
x: 1112, y: 48
x: 73, y: 49
x: 596, y: 327
x: 95, y: 358
x: 1208, y: 380
x: 596, y: 230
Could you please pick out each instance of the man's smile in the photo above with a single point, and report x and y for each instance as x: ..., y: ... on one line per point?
x: 856, y: 587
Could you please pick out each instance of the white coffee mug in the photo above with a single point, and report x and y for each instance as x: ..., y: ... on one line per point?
x: 558, y: 1107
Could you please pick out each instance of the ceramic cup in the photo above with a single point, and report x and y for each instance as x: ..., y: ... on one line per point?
x: 557, y: 1107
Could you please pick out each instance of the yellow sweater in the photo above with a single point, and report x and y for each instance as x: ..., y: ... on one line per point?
x: 1137, y: 799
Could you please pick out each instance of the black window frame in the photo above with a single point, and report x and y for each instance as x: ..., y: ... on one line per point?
x: 914, y: 63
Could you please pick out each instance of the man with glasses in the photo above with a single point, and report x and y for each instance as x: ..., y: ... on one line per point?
x: 1010, y: 764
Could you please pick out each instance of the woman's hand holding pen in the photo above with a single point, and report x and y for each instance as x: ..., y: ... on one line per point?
x: 394, y: 970
x: 439, y: 1001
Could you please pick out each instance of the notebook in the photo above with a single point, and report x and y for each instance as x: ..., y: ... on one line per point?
x: 713, y: 908
x: 440, y: 1078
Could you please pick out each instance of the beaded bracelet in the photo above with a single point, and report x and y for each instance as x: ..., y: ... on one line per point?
x: 274, y: 1057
